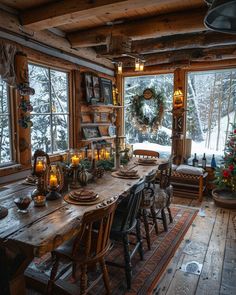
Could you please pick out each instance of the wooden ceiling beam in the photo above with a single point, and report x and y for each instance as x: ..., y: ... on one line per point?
x: 189, y: 55
x: 10, y: 23
x: 167, y: 68
x: 158, y: 26
x: 204, y: 39
x: 61, y: 12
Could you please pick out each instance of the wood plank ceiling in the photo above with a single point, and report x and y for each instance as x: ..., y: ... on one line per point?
x: 159, y: 31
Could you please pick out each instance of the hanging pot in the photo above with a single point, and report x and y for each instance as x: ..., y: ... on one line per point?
x: 83, y: 176
x: 221, y: 16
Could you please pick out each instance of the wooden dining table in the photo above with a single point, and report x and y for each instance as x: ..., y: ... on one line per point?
x: 43, y: 229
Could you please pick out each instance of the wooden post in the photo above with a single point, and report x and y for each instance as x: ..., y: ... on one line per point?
x: 120, y: 112
x: 21, y: 68
x: 179, y: 119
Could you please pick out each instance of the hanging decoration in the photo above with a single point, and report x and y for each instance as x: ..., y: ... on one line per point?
x: 24, y: 106
x: 148, y: 110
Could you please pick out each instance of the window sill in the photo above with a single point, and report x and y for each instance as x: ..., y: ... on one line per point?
x: 12, y: 168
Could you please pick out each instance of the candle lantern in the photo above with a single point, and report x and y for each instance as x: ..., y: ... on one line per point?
x: 41, y: 164
x: 55, y: 182
x: 178, y: 99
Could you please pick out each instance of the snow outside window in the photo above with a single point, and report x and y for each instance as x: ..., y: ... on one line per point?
x: 5, y: 125
x: 211, y: 105
x: 50, y: 114
x: 161, y: 140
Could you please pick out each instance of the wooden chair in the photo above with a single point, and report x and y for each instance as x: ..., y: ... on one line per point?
x: 163, y: 193
x: 87, y: 248
x: 147, y: 207
x: 146, y: 153
x: 126, y: 219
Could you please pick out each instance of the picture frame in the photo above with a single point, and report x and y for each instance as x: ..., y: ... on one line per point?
x: 91, y: 132
x: 104, y: 117
x: 96, y: 87
x: 106, y: 90
x: 92, y: 88
x: 88, y: 86
x: 112, y: 130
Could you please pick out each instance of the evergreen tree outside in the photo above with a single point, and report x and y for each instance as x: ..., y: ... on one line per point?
x: 135, y: 86
x: 50, y: 109
x: 226, y: 174
x: 5, y: 126
x: 211, y: 107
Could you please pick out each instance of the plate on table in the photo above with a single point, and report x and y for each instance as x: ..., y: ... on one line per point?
x: 83, y: 195
x: 118, y: 175
x: 71, y: 198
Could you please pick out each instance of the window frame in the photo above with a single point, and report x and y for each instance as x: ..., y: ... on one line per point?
x: 199, y: 71
x: 12, y: 113
x: 55, y: 155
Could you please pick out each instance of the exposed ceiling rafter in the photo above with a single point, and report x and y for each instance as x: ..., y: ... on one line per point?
x: 58, y: 13
x: 157, y: 26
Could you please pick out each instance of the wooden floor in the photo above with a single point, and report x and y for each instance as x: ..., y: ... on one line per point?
x: 210, y: 241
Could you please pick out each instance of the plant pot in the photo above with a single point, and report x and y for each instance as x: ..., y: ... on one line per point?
x: 224, y: 198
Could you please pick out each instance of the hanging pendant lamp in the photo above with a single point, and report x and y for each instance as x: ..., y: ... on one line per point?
x: 221, y: 16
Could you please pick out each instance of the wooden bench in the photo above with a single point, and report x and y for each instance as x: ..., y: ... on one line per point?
x: 188, y: 185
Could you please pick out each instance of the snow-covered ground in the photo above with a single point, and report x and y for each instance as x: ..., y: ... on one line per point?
x: 197, y: 147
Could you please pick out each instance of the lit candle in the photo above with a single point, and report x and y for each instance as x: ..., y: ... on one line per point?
x: 96, y: 155
x: 53, y: 180
x: 103, y: 154
x: 39, y: 166
x: 75, y: 160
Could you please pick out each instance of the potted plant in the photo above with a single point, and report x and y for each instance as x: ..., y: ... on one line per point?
x: 225, y: 193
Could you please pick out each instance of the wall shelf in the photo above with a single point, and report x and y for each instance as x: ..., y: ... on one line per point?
x: 98, y: 138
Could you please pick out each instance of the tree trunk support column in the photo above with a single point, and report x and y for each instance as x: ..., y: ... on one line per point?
x: 179, y: 118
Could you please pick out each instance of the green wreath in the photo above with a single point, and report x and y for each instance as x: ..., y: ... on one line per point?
x: 145, y: 122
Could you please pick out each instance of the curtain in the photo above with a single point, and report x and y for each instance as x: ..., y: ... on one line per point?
x: 7, y: 58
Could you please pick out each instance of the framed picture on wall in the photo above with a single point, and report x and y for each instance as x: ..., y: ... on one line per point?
x: 92, y: 86
x: 91, y: 132
x: 106, y: 91
x: 112, y: 130
x: 96, y: 88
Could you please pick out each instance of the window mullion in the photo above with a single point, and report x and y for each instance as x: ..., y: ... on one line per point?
x: 50, y: 103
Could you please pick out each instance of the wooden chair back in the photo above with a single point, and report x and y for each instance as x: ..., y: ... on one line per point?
x: 148, y: 193
x: 164, y: 174
x: 132, y: 207
x: 94, y: 233
x: 146, y: 153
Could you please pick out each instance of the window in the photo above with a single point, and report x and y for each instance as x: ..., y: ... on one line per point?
x: 50, y: 114
x: 160, y: 140
x: 211, y: 108
x: 5, y: 125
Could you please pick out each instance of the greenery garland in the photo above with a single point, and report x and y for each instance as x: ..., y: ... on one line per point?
x: 143, y: 122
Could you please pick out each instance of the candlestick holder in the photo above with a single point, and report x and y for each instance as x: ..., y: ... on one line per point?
x: 75, y: 181
x: 55, y: 182
x: 40, y: 169
x: 53, y: 193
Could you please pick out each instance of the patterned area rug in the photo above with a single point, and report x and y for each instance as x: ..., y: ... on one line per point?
x: 146, y: 273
